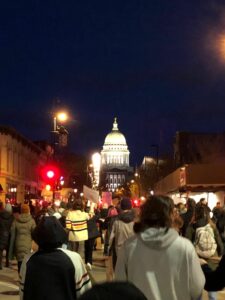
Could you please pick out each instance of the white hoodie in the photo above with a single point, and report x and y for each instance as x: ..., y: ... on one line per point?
x: 162, y: 264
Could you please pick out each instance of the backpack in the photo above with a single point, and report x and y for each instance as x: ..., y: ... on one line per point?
x: 205, y: 243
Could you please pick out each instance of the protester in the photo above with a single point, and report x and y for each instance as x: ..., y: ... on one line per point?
x: 93, y: 233
x: 21, y: 239
x: 52, y: 272
x: 162, y: 264
x: 109, y: 252
x: 76, y: 223
x: 122, y: 228
x: 205, y: 237
x: 188, y: 216
x: 217, y: 210
x: 6, y: 219
x: 215, y: 280
x: 206, y: 245
x: 220, y: 224
x: 113, y: 290
x: 42, y: 212
x: 177, y: 222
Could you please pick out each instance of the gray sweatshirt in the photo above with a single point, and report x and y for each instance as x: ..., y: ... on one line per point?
x: 162, y: 264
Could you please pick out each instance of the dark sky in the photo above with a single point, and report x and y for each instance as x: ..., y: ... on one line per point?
x: 156, y: 65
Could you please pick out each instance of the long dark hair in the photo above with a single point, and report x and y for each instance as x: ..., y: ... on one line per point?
x: 155, y: 212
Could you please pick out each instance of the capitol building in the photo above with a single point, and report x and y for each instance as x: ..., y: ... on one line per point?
x: 115, y: 159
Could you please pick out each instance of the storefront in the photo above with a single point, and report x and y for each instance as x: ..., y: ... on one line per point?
x: 196, y: 181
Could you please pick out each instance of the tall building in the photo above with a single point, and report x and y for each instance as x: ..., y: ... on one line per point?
x: 115, y: 159
x: 191, y: 147
x: 20, y: 163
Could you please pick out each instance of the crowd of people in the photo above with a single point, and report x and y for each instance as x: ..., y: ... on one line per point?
x: 163, y: 251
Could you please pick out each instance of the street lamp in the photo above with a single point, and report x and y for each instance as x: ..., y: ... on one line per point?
x: 61, y: 117
x: 137, y: 175
x: 59, y: 132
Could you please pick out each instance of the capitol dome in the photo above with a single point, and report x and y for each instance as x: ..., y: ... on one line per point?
x: 115, y: 152
x: 115, y: 137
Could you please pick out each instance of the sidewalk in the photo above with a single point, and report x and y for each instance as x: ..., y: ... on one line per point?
x: 9, y: 287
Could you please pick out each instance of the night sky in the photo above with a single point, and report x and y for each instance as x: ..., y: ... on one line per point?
x: 159, y: 66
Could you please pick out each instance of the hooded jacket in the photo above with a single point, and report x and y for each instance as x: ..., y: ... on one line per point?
x: 122, y: 229
x: 21, y: 239
x: 162, y: 264
x: 52, y: 272
x: 6, y: 220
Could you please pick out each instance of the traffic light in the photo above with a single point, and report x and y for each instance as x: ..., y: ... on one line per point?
x: 50, y: 173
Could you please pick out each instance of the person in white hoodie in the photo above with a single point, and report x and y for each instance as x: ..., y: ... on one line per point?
x: 162, y: 264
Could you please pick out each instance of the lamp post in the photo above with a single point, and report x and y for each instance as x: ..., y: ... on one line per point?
x: 137, y: 176
x: 59, y: 118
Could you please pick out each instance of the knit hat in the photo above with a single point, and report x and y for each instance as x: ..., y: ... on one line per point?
x: 113, y: 290
x: 49, y: 233
x: 125, y: 204
x: 25, y: 209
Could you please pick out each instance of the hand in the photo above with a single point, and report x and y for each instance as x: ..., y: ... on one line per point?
x: 202, y: 261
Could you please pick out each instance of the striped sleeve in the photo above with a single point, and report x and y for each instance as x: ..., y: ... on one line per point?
x: 82, y: 279
x: 68, y: 222
x: 22, y: 275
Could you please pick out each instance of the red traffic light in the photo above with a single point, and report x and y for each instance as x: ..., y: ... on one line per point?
x: 50, y: 173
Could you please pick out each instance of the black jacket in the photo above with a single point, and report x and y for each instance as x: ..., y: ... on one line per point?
x: 92, y: 227
x: 6, y: 220
x: 215, y: 280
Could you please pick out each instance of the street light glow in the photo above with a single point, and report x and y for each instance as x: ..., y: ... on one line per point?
x: 96, y: 160
x: 62, y: 116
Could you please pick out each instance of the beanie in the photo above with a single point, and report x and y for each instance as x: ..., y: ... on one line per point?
x: 49, y: 233
x: 125, y: 204
x: 113, y: 290
x: 25, y: 209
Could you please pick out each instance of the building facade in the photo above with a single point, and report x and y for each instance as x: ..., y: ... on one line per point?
x: 191, y: 147
x: 114, y: 159
x: 20, y: 164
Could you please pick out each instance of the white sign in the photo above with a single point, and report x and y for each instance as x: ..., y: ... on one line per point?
x: 90, y: 194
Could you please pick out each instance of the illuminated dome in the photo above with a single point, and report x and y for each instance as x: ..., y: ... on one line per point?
x: 115, y: 137
x: 115, y: 152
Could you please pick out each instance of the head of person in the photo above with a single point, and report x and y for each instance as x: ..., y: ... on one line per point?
x: 202, y: 213
x: 218, y: 204
x: 78, y: 204
x: 125, y: 204
x: 191, y: 204
x: 113, y: 290
x: 49, y: 233
x: 202, y: 201
x: 157, y: 211
x: 25, y: 209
